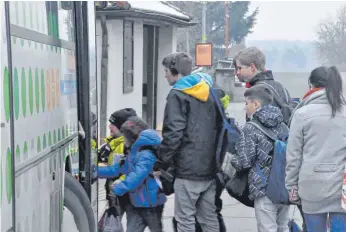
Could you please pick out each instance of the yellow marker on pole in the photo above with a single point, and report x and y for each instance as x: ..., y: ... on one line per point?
x: 204, y: 38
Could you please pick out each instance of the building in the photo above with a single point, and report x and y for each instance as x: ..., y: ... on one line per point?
x: 139, y: 35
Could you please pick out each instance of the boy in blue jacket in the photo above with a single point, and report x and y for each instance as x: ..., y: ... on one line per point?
x: 147, y: 200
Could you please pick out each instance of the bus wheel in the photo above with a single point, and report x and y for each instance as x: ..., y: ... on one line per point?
x: 77, y: 202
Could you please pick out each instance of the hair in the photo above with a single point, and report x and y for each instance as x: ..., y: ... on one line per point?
x: 132, y: 128
x: 251, y: 55
x: 330, y: 79
x: 260, y: 93
x: 178, y: 63
x: 234, y: 61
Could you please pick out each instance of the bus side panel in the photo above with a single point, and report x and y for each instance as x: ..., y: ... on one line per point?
x: 6, y: 195
x: 45, y: 109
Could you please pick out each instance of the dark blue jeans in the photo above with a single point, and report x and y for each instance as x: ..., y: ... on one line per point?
x: 140, y: 218
x: 318, y: 222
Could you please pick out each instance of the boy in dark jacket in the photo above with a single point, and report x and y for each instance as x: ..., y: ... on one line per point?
x: 147, y: 200
x: 190, y: 129
x: 249, y: 66
x: 254, y: 149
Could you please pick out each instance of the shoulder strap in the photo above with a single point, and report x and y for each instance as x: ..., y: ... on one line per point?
x: 265, y: 130
x: 216, y: 99
x: 275, y: 93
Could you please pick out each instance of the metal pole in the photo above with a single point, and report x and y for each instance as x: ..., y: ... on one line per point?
x: 226, y: 28
x: 204, y: 22
x: 187, y: 32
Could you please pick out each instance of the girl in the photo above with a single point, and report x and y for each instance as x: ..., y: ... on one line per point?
x: 316, y: 152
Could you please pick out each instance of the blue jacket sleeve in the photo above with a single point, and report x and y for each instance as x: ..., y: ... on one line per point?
x: 109, y: 171
x: 112, y: 171
x: 134, y: 179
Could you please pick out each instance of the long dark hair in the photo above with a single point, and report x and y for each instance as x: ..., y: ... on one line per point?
x: 330, y: 79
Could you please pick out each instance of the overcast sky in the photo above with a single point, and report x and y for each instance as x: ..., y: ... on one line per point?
x: 291, y: 20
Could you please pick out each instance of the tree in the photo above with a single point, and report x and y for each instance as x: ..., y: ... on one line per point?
x: 331, y: 42
x: 241, y: 22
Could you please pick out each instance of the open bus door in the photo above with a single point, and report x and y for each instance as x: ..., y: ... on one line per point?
x: 87, y: 100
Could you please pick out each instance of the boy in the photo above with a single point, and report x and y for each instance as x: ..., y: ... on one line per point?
x: 114, y: 146
x: 147, y: 200
x: 253, y: 149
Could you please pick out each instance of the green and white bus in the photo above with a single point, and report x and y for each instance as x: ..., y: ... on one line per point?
x: 48, y: 69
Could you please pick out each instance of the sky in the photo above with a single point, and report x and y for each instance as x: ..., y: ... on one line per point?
x: 292, y: 20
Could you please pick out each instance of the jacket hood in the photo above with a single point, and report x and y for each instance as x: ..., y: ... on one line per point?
x: 147, y: 138
x: 318, y: 97
x: 196, y: 85
x: 265, y: 75
x: 269, y: 115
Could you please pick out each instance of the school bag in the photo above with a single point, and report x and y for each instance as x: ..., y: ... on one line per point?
x: 286, y: 109
x: 167, y: 176
x: 236, y: 183
x: 276, y: 190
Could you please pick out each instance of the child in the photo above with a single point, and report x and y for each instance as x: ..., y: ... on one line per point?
x: 114, y: 146
x: 147, y: 200
x: 254, y: 149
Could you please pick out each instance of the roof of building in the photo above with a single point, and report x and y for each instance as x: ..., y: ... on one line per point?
x: 154, y: 10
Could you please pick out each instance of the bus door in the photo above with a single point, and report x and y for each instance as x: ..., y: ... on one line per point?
x: 87, y: 99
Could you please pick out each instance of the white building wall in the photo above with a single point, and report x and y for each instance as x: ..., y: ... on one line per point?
x: 116, y: 98
x: 167, y: 45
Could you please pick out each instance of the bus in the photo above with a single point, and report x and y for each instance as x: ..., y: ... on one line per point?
x: 48, y: 96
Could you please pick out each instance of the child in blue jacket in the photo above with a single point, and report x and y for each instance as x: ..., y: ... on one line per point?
x: 147, y: 200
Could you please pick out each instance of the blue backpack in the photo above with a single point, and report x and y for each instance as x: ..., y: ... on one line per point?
x: 229, y: 133
x: 236, y: 183
x: 276, y: 190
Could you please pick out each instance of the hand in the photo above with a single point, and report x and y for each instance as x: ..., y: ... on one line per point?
x: 114, y: 183
x: 104, y: 152
x: 117, y: 182
x: 157, y: 174
x: 293, y: 195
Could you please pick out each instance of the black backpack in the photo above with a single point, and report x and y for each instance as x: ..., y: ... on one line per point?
x: 286, y: 109
x: 167, y: 173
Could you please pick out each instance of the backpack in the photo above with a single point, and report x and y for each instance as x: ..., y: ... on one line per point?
x: 285, y: 108
x: 227, y: 138
x: 236, y: 183
x: 276, y: 190
x: 167, y: 176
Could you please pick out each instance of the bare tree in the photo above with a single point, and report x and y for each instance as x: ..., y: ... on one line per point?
x: 331, y: 42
